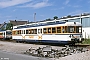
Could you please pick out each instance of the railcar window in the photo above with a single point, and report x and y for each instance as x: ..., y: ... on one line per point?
x: 8, y: 32
x: 4, y: 33
x: 17, y: 32
x: 49, y: 30
x: 63, y: 30
x: 24, y: 31
x: 44, y: 30
x: 32, y: 31
x: 27, y: 31
x: 58, y: 29
x: 1, y: 33
x: 35, y: 31
x: 20, y: 32
x: 39, y: 31
x: 13, y: 32
x: 71, y: 29
x: 53, y: 30
x: 78, y: 29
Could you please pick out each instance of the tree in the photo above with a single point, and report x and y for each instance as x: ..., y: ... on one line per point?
x: 55, y: 17
x: 48, y: 19
x: 69, y: 16
x: 9, y: 26
x: 3, y: 28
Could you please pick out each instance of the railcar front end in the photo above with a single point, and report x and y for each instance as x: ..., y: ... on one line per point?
x: 1, y: 35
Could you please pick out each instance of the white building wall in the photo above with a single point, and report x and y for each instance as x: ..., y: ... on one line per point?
x: 86, y: 32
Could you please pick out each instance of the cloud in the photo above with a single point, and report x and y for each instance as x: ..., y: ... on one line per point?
x: 14, y: 10
x: 76, y: 6
x: 24, y: 3
x: 88, y: 1
x: 58, y: 8
x: 42, y: 15
x: 62, y: 7
x: 8, y: 16
x: 66, y: 2
x: 0, y: 16
x: 8, y: 3
x: 38, y: 4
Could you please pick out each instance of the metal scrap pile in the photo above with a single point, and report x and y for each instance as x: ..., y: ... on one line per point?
x: 54, y: 53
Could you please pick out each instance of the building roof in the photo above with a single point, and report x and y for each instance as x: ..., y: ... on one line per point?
x: 17, y: 22
x: 1, y: 25
x: 69, y: 17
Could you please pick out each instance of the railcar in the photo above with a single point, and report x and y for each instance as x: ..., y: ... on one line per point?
x: 1, y: 35
x: 56, y: 32
x: 6, y: 34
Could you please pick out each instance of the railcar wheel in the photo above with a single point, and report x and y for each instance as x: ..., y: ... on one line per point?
x: 17, y: 41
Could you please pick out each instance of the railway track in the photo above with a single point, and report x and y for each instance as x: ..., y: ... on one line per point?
x: 76, y: 45
x: 82, y: 45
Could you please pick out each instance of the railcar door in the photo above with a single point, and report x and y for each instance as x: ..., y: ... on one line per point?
x: 4, y: 34
x: 39, y: 34
x: 23, y: 33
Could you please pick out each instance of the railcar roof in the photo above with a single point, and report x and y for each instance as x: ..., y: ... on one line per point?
x: 48, y: 24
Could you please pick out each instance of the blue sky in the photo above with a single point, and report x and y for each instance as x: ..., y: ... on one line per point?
x: 44, y: 9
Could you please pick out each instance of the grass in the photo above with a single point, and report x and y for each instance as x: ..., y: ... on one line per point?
x: 86, y: 41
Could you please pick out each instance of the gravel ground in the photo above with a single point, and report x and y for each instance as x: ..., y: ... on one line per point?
x: 20, y: 47
x: 78, y: 56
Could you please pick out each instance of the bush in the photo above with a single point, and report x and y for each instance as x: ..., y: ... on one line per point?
x: 86, y: 41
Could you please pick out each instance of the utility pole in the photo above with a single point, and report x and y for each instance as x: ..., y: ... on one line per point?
x: 81, y: 21
x: 34, y: 17
x: 81, y: 18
